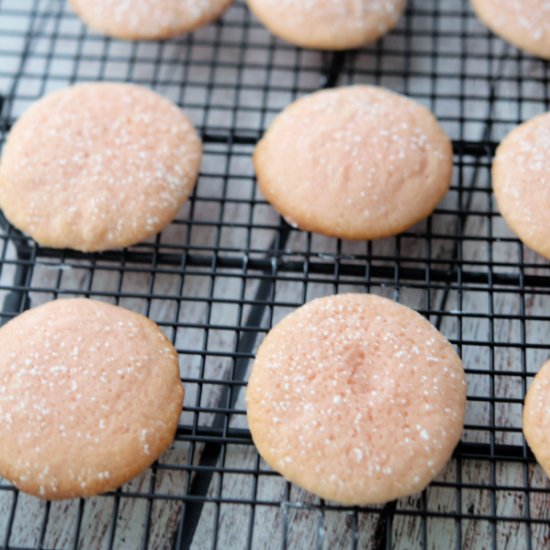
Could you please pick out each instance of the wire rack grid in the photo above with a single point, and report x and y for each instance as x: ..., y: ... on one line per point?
x: 228, y: 268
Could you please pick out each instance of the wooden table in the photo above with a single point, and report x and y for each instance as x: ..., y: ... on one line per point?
x: 228, y: 268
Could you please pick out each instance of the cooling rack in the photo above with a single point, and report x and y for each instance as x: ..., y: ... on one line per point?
x: 228, y: 268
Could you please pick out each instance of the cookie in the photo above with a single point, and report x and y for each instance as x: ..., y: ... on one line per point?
x: 357, y: 162
x: 536, y: 417
x: 148, y: 19
x: 98, y: 166
x: 90, y: 396
x: 356, y: 399
x: 328, y: 24
x: 521, y: 182
x: 523, y: 23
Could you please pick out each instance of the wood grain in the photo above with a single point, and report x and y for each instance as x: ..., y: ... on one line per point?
x: 202, y: 308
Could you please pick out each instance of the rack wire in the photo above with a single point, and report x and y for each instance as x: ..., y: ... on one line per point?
x: 228, y: 268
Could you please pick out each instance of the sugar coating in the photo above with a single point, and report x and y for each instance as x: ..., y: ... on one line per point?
x: 357, y: 399
x: 328, y: 24
x: 90, y: 396
x: 524, y: 23
x: 148, y: 19
x: 356, y: 162
x: 536, y: 417
x: 521, y: 182
x: 98, y: 166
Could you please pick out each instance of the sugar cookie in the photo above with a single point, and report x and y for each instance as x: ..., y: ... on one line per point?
x: 357, y: 399
x: 523, y: 23
x: 98, y: 166
x: 90, y: 396
x: 148, y: 19
x: 328, y: 24
x: 358, y: 162
x: 521, y: 182
x: 536, y: 417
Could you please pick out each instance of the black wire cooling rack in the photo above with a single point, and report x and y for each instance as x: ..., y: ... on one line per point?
x: 228, y: 268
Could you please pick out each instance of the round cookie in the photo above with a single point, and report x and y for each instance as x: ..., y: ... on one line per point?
x: 90, y: 396
x: 328, y: 24
x: 98, y: 166
x: 148, y: 19
x: 357, y: 399
x: 521, y: 182
x: 536, y: 417
x: 357, y: 162
x: 523, y: 23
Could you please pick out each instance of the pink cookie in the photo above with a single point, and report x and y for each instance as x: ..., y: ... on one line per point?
x: 328, y: 24
x: 148, y: 19
x: 524, y: 23
x: 358, y: 162
x: 90, y: 396
x: 521, y: 182
x: 357, y: 399
x: 98, y: 166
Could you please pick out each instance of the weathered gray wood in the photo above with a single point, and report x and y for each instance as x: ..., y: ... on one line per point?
x: 302, y: 527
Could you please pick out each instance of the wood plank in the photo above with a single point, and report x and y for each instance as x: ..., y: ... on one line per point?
x: 302, y: 527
